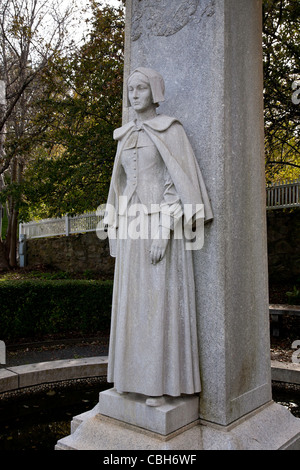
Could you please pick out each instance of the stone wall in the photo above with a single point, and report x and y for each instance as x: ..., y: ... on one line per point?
x: 284, y: 245
x: 82, y: 252
x: 76, y: 253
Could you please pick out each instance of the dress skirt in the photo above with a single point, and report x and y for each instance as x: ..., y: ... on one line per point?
x: 153, y: 346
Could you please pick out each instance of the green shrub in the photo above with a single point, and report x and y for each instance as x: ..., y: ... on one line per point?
x: 35, y: 308
x: 294, y: 296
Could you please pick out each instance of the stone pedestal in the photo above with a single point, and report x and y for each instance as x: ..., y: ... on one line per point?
x: 271, y: 427
x: 210, y: 55
x: 131, y: 408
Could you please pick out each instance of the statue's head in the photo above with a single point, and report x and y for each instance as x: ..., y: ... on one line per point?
x: 155, y: 80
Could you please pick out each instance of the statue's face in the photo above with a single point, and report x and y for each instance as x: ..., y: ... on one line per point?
x: 139, y: 93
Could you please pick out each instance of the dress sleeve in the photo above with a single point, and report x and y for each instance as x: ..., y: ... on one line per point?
x: 171, y: 206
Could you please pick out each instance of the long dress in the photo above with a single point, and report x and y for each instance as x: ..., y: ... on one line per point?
x: 153, y: 342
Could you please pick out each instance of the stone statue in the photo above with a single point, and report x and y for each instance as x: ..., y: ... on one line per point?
x: 153, y: 347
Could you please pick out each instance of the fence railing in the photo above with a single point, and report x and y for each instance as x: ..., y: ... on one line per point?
x: 283, y: 194
x: 66, y: 225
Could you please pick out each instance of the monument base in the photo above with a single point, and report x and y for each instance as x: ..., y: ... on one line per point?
x: 271, y: 427
x: 131, y: 408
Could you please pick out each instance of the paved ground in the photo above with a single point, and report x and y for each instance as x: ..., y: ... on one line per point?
x: 32, y: 353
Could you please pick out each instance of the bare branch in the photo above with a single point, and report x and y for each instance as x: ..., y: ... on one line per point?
x: 284, y: 163
x: 25, y: 49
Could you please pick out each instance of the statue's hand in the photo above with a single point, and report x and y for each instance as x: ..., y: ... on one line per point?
x: 158, y: 250
x: 159, y: 246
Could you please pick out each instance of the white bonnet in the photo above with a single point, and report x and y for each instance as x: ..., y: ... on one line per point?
x: 156, y: 81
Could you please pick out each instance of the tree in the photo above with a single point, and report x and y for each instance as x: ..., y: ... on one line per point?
x: 82, y: 105
x: 281, y: 45
x: 31, y: 33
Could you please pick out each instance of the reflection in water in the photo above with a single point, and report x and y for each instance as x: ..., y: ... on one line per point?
x: 37, y: 418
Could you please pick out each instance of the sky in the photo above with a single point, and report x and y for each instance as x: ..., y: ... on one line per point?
x: 80, y: 28
x: 113, y: 2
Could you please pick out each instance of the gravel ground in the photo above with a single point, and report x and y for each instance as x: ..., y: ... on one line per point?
x: 289, y: 332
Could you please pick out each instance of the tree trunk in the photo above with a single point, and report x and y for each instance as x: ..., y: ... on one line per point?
x: 13, y: 213
x: 13, y: 239
x: 3, y: 260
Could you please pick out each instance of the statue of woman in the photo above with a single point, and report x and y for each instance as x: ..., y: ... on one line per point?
x: 153, y: 347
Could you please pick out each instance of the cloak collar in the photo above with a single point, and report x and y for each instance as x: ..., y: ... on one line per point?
x: 160, y: 124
